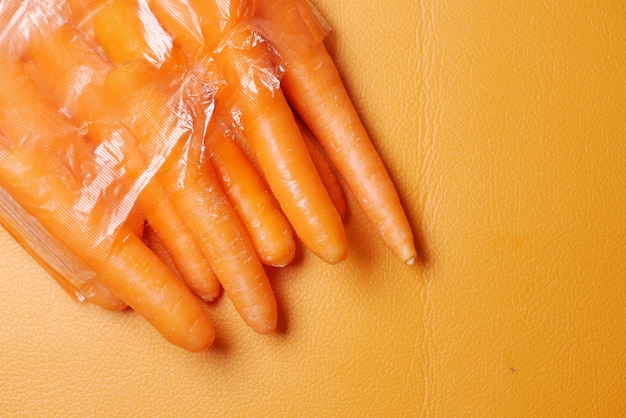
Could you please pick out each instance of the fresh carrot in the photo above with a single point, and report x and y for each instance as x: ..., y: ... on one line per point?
x: 269, y: 230
x: 253, y: 95
x: 225, y: 241
x: 95, y: 292
x: 45, y: 167
x: 141, y: 38
x: 195, y: 190
x: 199, y: 26
x: 152, y: 240
x: 271, y: 130
x: 61, y: 61
x: 314, y: 88
x: 325, y: 170
x: 185, y: 251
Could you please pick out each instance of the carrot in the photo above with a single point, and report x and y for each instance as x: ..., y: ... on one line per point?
x: 92, y: 290
x: 314, y: 88
x: 181, y: 21
x: 95, y: 292
x: 325, y: 170
x: 226, y: 243
x: 184, y: 250
x: 141, y: 38
x: 271, y: 130
x: 44, y: 166
x: 199, y: 26
x: 269, y: 230
x: 196, y: 192
x: 61, y: 61
x: 152, y: 240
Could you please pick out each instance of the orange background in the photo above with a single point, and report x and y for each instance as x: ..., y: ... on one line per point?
x: 503, y: 125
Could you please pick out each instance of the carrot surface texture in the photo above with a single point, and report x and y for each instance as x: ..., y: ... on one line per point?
x: 251, y: 93
x: 61, y: 59
x: 45, y: 166
x: 315, y: 89
x: 195, y: 189
x: 270, y: 128
x: 266, y: 225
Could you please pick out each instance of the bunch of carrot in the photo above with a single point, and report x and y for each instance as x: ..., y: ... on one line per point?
x: 167, y: 149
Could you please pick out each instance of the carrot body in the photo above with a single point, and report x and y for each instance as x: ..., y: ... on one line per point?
x: 326, y: 172
x: 195, y: 192
x: 61, y: 60
x: 200, y: 25
x: 184, y: 250
x: 95, y: 292
x: 271, y: 130
x: 228, y: 248
x: 39, y: 168
x: 314, y: 88
x: 269, y: 230
x: 268, y: 124
x: 182, y: 23
x: 141, y: 38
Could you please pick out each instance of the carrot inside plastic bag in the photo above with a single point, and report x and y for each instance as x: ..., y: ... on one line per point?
x: 104, y: 128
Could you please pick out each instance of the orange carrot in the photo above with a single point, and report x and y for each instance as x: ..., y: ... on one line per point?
x: 61, y: 61
x: 92, y: 290
x: 314, y: 88
x: 152, y: 240
x: 325, y: 170
x: 271, y: 130
x: 199, y: 26
x: 184, y: 250
x: 141, y: 38
x: 226, y: 243
x: 196, y: 192
x: 45, y: 167
x: 95, y: 292
x: 274, y: 137
x: 269, y: 230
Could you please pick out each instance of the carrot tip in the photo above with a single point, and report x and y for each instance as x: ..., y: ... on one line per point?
x: 410, y: 261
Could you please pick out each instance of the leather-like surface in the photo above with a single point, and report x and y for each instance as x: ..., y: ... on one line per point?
x: 503, y: 125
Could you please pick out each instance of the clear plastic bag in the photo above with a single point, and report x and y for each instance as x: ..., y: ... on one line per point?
x: 109, y: 110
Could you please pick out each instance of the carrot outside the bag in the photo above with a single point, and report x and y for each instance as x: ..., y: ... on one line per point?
x: 316, y: 91
x: 44, y: 166
x: 269, y: 230
x: 325, y: 170
x: 61, y: 60
x: 225, y: 241
x: 273, y: 135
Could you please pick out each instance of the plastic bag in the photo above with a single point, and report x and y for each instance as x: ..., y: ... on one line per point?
x: 112, y: 113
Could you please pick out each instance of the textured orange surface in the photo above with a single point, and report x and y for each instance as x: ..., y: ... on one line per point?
x: 503, y: 125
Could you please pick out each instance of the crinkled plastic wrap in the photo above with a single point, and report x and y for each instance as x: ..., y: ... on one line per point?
x: 103, y: 108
